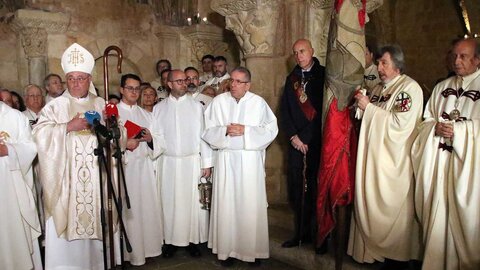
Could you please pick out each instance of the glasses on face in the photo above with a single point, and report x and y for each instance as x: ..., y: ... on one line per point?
x: 132, y: 89
x: 191, y: 79
x: 77, y: 79
x: 180, y: 81
x: 33, y: 96
x: 237, y: 81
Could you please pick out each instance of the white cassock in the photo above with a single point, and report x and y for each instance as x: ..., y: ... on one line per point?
x: 143, y: 221
x: 202, y: 98
x: 19, y: 224
x: 383, y: 223
x: 447, y: 196
x: 32, y: 118
x: 215, y: 83
x: 70, y: 180
x: 177, y: 130
x: 238, y: 224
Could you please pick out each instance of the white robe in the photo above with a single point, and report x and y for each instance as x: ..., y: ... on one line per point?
x: 447, y: 196
x: 383, y: 223
x: 143, y: 221
x: 202, y: 98
x: 19, y: 224
x: 70, y: 180
x: 238, y: 224
x: 181, y: 154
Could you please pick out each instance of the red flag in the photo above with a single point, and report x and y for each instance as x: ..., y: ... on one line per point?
x: 336, y: 175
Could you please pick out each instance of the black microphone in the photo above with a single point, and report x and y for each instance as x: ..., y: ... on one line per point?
x: 93, y: 118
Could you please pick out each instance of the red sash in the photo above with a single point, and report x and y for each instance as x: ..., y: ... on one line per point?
x: 306, y: 107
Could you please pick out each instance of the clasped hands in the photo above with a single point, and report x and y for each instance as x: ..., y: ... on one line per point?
x: 444, y: 129
x: 298, y: 144
x: 235, y: 129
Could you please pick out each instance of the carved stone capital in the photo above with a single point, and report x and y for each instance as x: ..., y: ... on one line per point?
x: 254, y: 23
x: 52, y: 22
x: 34, y: 41
x: 201, y: 47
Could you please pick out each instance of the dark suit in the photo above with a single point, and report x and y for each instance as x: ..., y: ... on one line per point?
x: 295, y: 122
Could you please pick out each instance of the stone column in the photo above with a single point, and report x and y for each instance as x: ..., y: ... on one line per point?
x: 259, y: 31
x: 32, y: 28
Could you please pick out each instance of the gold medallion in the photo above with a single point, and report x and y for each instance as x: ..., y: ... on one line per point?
x: 303, y: 97
x: 455, y: 114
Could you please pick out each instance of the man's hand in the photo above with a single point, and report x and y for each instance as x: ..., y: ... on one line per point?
x: 3, y: 149
x: 362, y: 101
x: 299, y: 145
x: 147, y: 136
x: 444, y: 130
x: 206, y: 172
x: 132, y: 144
x: 77, y: 124
x: 235, y: 129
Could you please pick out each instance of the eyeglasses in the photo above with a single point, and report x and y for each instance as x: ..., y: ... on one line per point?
x: 33, y: 96
x: 237, y: 81
x: 132, y: 89
x: 191, y: 79
x: 78, y: 79
x: 180, y: 81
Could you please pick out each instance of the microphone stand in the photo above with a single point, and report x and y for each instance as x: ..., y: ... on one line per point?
x: 120, y: 172
x: 99, y: 152
x: 102, y: 160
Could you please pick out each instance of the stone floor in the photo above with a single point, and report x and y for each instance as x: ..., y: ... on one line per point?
x: 183, y: 261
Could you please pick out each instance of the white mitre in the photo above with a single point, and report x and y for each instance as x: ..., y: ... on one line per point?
x: 77, y: 58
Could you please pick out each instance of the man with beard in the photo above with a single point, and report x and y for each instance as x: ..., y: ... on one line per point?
x: 193, y: 89
x: 219, y: 81
x: 182, y: 159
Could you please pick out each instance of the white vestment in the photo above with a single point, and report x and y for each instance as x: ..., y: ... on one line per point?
x: 447, y: 195
x: 32, y: 118
x: 205, y: 77
x: 70, y: 180
x: 143, y: 221
x: 215, y: 83
x: 238, y: 224
x: 202, y: 98
x: 181, y: 153
x: 383, y: 223
x: 19, y: 224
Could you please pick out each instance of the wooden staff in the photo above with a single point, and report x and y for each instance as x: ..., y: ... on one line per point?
x: 109, y: 154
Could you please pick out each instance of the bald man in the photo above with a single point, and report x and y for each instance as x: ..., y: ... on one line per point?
x: 301, y: 109
x: 445, y: 157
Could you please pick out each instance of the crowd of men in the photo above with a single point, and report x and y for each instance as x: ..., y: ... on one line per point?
x: 416, y: 190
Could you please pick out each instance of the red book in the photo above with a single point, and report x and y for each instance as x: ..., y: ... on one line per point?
x: 133, y: 130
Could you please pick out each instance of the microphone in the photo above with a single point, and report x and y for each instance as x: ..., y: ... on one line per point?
x: 93, y: 118
x: 111, y: 111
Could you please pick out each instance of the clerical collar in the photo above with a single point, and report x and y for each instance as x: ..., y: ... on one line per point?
x: 391, y: 82
x: 464, y: 82
x: 126, y: 106
x: 85, y: 98
x: 177, y: 99
x: 308, y: 68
